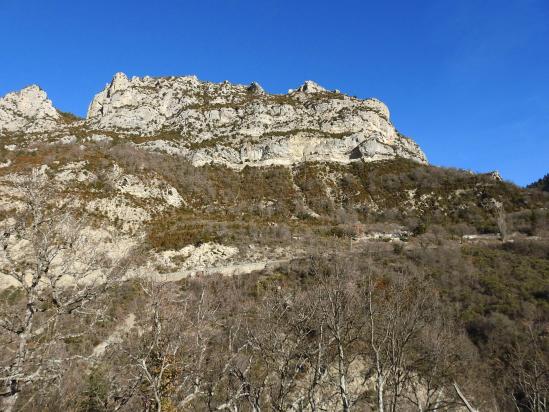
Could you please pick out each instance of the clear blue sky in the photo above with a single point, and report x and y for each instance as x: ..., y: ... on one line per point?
x: 467, y: 79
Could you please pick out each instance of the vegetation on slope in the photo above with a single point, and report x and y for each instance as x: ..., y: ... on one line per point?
x: 269, y: 340
x: 542, y: 184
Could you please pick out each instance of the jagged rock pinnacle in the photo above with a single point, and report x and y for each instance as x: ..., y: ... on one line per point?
x: 255, y: 88
x: 310, y: 87
x: 27, y: 110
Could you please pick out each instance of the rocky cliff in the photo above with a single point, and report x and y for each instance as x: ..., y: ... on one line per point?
x: 224, y: 123
x: 28, y: 110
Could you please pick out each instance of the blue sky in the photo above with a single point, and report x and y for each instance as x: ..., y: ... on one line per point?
x: 467, y: 79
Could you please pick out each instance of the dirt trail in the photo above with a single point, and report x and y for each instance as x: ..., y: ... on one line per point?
x: 116, y: 336
x: 227, y: 270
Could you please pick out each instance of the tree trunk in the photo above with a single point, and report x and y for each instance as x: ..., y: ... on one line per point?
x: 9, y: 403
x: 342, y: 380
x: 463, y: 399
x: 380, y: 388
x: 17, y: 367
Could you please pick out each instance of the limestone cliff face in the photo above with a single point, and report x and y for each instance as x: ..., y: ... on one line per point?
x: 28, y: 110
x: 223, y: 123
x: 238, y: 125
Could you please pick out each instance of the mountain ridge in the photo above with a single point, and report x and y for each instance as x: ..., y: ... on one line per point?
x: 541, y: 184
x: 230, y: 124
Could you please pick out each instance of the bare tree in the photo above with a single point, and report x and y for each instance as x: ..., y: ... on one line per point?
x: 440, y: 355
x: 157, y: 359
x: 502, y: 223
x: 337, y: 302
x: 318, y: 359
x: 463, y: 399
x: 165, y: 358
x: 530, y: 371
x: 184, y: 356
x: 282, y: 338
x: 397, y: 310
x: 59, y: 275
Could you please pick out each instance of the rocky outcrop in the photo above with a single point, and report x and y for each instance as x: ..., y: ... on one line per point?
x: 28, y: 110
x: 223, y: 123
x: 240, y: 125
x: 310, y: 87
x: 495, y: 175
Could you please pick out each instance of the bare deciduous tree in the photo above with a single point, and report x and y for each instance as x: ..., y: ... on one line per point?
x: 502, y: 223
x: 338, y: 302
x: 399, y: 311
x: 59, y: 277
x: 282, y: 337
x: 530, y: 371
x: 440, y: 356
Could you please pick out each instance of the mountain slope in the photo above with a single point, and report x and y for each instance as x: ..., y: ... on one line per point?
x: 232, y: 200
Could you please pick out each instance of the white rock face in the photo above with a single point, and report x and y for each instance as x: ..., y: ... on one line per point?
x: 28, y: 110
x: 151, y: 189
x: 196, y: 257
x: 240, y: 125
x: 222, y: 123
x: 74, y: 171
x: 310, y: 87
